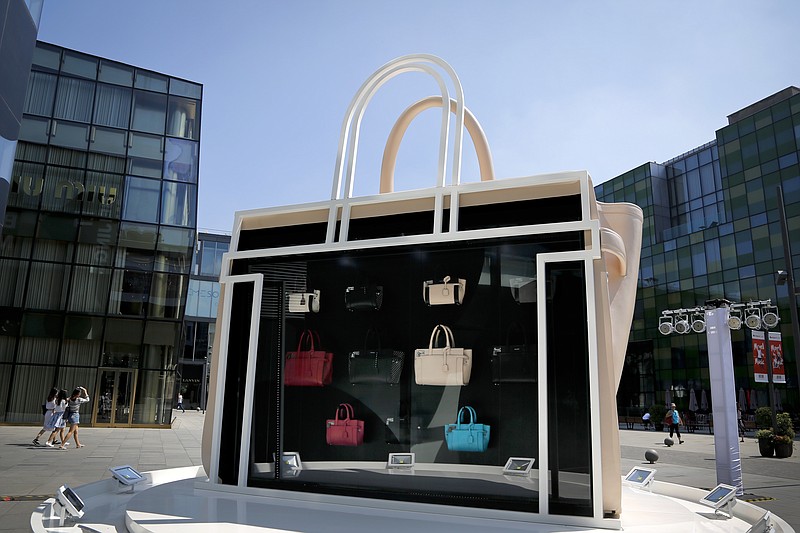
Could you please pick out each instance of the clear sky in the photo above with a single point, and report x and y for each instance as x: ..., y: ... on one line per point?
x: 557, y: 85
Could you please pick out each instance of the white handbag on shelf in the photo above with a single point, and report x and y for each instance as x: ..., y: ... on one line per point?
x: 444, y: 293
x: 304, y: 302
x: 442, y: 366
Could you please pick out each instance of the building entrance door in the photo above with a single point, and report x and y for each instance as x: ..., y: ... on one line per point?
x: 115, y: 391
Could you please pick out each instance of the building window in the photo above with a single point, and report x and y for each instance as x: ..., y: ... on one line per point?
x: 141, y: 202
x: 178, y: 202
x: 113, y: 107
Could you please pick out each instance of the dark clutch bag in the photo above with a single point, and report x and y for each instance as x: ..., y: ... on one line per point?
x: 363, y: 298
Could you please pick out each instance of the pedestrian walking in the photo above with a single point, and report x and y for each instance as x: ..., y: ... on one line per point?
x: 72, y: 414
x: 674, y: 422
x: 180, y: 402
x: 56, y: 424
x: 47, y: 412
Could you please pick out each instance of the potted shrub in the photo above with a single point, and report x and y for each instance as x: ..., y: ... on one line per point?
x: 766, y: 446
x: 784, y: 436
x: 657, y: 413
x: 763, y: 417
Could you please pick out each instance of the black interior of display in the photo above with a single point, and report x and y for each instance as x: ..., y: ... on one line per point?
x: 408, y: 417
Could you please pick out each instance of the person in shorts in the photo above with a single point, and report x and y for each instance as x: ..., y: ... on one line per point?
x: 72, y: 414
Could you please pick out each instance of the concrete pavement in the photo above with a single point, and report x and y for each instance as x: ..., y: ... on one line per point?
x: 35, y: 473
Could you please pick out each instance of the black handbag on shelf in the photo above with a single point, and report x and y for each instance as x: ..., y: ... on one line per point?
x: 514, y: 363
x: 363, y: 298
x: 381, y: 365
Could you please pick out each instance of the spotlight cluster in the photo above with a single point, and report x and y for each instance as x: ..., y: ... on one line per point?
x: 755, y: 315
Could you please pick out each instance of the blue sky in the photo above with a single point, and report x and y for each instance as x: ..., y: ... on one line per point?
x: 578, y: 84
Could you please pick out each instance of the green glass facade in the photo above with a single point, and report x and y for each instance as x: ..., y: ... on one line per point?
x: 712, y: 230
x: 98, y: 238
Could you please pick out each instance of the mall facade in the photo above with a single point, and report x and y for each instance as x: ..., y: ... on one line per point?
x: 711, y: 231
x: 99, y: 235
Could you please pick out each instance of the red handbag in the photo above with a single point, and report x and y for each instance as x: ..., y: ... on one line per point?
x: 308, y: 367
x: 345, y: 431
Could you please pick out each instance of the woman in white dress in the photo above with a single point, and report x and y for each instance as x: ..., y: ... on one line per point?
x: 56, y: 424
x: 49, y: 405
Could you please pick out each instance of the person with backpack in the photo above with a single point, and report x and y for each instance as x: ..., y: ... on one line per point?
x: 56, y: 424
x: 47, y: 412
x: 73, y: 417
x: 675, y: 421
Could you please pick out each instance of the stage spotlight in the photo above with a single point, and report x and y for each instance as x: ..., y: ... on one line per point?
x: 682, y: 325
x: 735, y: 319
x: 698, y: 323
x: 665, y: 325
x: 770, y: 317
x: 753, y: 318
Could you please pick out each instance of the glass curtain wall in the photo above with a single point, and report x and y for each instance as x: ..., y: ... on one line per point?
x: 96, y: 248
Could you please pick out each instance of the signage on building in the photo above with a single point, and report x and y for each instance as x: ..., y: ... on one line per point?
x: 775, y: 350
x: 71, y: 190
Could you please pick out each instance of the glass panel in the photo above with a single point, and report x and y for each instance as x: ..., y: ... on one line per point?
x: 167, y: 295
x: 150, y: 81
x: 57, y: 227
x: 80, y: 352
x: 154, y: 397
x: 102, y: 197
x: 48, y: 286
x: 141, y: 236
x: 74, y: 99
x: 106, y: 163
x: 115, y: 73
x: 96, y: 240
x: 183, y: 118
x: 12, y: 282
x: 113, y: 106
x: 31, y: 152
x: 178, y: 204
x: 41, y: 93
x: 146, y: 154
x: 160, y: 339
x: 27, y: 183
x: 185, y: 88
x: 63, y: 190
x: 26, y: 393
x: 141, y: 199
x: 35, y: 130
x: 108, y: 141
x: 66, y: 157
x: 41, y: 326
x: 410, y: 417
x: 180, y: 160
x: 69, y: 135
x: 129, y: 292
x: 46, y: 56
x: 79, y: 64
x: 90, y: 287
x: 149, y: 112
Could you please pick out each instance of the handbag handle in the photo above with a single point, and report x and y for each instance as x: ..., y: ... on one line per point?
x: 366, y: 343
x: 472, y: 416
x: 435, y: 336
x: 307, y: 334
x: 348, y: 412
x: 485, y: 165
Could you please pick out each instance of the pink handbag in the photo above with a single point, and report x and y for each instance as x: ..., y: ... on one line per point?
x: 345, y: 431
x: 308, y: 367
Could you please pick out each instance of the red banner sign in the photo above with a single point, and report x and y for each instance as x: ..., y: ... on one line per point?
x: 776, y: 353
x: 759, y: 357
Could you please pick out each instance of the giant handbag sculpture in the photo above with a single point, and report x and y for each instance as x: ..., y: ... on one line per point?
x: 467, y: 436
x: 308, y: 366
x: 453, y: 213
x: 442, y: 366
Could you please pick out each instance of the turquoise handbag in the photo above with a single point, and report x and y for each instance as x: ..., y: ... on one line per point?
x: 471, y: 437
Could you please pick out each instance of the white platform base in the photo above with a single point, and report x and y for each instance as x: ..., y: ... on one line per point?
x: 176, y: 500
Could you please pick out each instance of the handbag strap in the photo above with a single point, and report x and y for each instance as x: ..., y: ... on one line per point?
x: 366, y: 343
x: 308, y: 335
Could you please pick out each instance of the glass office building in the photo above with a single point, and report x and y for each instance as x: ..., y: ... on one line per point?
x: 97, y: 245
x: 712, y: 230
x: 200, y: 321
